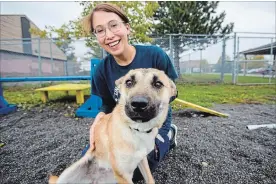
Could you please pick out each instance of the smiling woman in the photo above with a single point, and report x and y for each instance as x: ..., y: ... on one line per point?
x: 111, y: 28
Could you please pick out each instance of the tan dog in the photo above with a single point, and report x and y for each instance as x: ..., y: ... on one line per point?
x: 125, y: 137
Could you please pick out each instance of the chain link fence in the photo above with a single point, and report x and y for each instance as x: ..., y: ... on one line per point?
x: 196, y: 58
x: 254, y: 59
x: 44, y: 57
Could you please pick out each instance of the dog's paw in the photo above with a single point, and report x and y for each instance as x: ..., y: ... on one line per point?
x: 52, y: 179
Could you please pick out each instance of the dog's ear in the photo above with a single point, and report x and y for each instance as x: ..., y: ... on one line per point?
x: 119, y: 81
x: 173, y: 89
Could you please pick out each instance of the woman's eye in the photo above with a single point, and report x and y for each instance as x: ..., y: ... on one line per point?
x: 114, y: 25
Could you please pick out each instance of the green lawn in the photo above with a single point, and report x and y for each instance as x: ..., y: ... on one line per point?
x: 25, y: 96
x: 205, y: 95
x: 214, y: 78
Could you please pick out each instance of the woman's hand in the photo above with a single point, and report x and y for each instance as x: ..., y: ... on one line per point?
x: 96, y: 121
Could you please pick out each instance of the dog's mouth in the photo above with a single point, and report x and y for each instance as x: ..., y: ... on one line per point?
x: 140, y: 119
x: 145, y: 131
x: 141, y: 109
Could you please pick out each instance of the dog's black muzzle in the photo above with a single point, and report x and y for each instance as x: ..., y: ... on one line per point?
x: 140, y: 108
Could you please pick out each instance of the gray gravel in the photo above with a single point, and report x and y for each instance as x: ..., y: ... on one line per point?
x: 210, y: 149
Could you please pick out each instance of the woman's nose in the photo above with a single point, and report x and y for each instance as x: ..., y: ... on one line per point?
x: 108, y: 33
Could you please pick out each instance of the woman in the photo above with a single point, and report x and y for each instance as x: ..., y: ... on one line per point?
x: 111, y: 27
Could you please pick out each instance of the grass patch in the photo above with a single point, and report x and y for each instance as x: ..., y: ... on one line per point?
x: 25, y: 96
x: 204, y: 95
x: 215, y: 78
x: 207, y: 95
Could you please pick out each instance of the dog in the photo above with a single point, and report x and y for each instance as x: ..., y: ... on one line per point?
x: 125, y: 137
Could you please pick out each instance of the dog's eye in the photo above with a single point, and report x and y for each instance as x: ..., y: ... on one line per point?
x: 129, y: 83
x: 158, y: 84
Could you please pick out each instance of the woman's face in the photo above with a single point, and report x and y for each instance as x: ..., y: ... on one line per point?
x: 111, y: 32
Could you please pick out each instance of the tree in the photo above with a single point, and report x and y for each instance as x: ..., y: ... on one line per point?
x: 62, y: 40
x: 189, y: 17
x: 227, y: 65
x: 255, y: 64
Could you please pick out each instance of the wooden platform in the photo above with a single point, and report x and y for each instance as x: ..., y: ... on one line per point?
x: 65, y: 87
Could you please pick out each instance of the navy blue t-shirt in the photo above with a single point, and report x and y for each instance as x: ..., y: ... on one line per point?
x: 108, y: 71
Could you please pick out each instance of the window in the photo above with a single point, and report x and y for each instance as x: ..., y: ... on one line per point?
x: 27, y: 43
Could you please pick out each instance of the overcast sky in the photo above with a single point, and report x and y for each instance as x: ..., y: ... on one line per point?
x: 247, y: 17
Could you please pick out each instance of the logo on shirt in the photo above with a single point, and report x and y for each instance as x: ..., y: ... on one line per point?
x: 116, y: 94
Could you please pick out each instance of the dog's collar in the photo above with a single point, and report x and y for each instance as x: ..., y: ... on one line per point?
x: 149, y: 131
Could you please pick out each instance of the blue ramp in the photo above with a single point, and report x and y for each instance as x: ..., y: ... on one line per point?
x: 92, y: 106
x: 5, y: 108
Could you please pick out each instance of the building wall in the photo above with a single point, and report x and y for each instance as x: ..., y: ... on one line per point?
x: 20, y: 65
x: 11, y: 29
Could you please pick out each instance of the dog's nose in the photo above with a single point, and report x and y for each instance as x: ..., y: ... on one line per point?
x: 139, y: 103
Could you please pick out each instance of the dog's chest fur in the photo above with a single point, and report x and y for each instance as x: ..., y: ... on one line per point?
x: 137, y: 146
x: 129, y: 146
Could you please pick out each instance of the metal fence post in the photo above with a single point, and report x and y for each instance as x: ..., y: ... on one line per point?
x: 104, y: 53
x: 66, y: 68
x: 271, y: 60
x: 171, y: 49
x: 200, y: 63
x: 39, y: 58
x: 234, y: 60
x: 222, y: 60
x: 189, y: 66
x: 237, y: 61
x: 51, y: 55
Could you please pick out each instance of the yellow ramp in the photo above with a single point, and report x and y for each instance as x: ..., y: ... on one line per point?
x: 65, y: 87
x: 200, y: 108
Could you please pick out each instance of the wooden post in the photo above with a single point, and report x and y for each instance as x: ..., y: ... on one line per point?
x: 44, y: 96
x: 80, y: 96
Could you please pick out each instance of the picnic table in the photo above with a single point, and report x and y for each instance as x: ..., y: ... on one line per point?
x: 79, y: 88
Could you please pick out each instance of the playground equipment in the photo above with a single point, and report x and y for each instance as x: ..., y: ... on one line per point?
x: 6, y: 108
x: 79, y: 88
x: 91, y: 106
x: 200, y: 108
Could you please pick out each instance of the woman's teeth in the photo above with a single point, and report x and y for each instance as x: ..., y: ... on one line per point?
x: 114, y: 43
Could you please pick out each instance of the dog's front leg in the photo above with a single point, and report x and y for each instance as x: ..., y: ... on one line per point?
x: 145, y: 170
x: 144, y: 165
x: 122, y: 178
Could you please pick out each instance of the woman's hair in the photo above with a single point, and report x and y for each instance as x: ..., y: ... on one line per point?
x: 87, y: 21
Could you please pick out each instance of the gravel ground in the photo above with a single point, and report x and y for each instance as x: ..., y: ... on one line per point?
x: 210, y: 149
